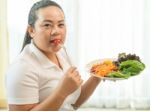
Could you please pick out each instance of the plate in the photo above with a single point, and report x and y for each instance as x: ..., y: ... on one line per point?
x: 89, y: 66
x: 107, y: 78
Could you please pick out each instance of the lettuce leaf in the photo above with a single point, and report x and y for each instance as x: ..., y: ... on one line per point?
x: 119, y: 74
x: 127, y: 69
x: 133, y: 67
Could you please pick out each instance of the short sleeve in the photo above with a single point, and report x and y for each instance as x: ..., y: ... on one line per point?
x: 22, y: 84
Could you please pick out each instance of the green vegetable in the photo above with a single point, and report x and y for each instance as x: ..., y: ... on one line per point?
x: 133, y: 67
x: 119, y: 74
x: 127, y: 69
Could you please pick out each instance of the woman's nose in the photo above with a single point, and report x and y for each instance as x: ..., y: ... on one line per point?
x: 55, y: 30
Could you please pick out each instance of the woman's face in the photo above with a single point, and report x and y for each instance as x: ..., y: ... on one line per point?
x: 50, y: 26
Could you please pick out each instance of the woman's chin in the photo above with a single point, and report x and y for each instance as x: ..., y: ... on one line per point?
x: 56, y: 49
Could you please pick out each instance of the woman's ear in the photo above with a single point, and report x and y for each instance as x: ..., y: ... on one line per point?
x: 30, y: 30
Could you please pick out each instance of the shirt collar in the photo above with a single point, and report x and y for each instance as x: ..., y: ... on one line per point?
x: 44, y: 61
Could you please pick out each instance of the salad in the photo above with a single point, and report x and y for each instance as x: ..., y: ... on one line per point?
x: 125, y: 66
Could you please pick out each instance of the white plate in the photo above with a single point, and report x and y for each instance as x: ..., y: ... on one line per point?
x: 89, y: 66
x: 107, y: 78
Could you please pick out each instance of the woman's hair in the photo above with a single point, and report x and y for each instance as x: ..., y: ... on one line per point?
x: 32, y: 17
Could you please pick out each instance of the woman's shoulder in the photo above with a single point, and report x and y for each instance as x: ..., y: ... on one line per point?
x: 25, y: 60
x: 19, y: 65
x: 23, y: 63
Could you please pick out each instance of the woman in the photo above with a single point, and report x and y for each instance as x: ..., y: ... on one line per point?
x: 41, y: 79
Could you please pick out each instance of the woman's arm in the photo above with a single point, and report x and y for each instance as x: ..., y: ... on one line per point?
x: 52, y: 103
x: 86, y: 91
x: 70, y: 82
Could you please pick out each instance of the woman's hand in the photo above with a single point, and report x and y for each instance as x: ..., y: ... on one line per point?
x: 70, y: 82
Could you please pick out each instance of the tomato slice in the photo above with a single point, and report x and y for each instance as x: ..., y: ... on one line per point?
x: 56, y: 41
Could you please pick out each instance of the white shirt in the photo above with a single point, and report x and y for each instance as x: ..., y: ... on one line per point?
x: 32, y: 77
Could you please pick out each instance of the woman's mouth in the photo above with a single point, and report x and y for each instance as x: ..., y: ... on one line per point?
x: 56, y: 41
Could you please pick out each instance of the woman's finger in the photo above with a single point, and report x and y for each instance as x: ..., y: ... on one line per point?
x: 71, y: 69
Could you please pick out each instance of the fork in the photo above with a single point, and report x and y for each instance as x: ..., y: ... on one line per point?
x: 67, y: 56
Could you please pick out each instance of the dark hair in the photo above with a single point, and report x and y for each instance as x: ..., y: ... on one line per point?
x: 32, y: 17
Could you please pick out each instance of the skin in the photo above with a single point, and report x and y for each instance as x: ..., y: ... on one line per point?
x: 50, y: 25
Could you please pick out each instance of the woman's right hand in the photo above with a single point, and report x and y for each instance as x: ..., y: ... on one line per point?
x: 70, y: 82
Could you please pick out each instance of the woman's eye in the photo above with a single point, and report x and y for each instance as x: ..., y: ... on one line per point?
x: 61, y: 25
x: 47, y: 25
